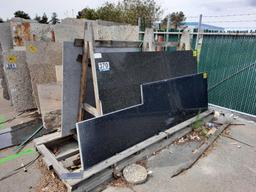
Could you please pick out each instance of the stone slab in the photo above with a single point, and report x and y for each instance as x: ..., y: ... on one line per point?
x: 50, y: 104
x: 70, y: 29
x: 41, y: 58
x: 71, y: 87
x: 119, y: 84
x: 23, y: 30
x: 20, y: 130
x: 117, y: 32
x: 164, y: 104
x: 68, y: 32
x: 18, y: 79
x: 5, y: 36
x: 3, y: 82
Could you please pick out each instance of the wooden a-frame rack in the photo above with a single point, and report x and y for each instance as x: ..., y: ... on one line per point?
x: 88, y: 57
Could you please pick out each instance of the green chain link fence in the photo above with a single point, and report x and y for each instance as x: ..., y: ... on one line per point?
x: 230, y: 63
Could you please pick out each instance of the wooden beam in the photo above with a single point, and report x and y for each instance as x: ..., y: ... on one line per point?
x: 110, y: 43
x: 83, y: 81
x: 68, y: 153
x: 47, y: 138
x: 90, y: 109
x: 95, y: 80
x: 60, y: 170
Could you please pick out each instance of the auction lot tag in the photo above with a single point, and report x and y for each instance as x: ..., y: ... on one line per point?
x: 104, y: 66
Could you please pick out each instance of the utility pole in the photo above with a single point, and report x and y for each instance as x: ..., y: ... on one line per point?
x: 167, y: 32
x: 139, y: 23
x: 198, y: 31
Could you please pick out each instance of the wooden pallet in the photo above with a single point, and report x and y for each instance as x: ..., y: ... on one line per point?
x: 91, y: 179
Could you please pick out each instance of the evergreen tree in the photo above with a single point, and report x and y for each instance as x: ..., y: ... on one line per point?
x: 37, y: 18
x: 21, y: 14
x: 54, y: 20
x: 44, y: 19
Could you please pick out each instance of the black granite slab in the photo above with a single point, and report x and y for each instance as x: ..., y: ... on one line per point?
x: 121, y: 74
x: 163, y: 104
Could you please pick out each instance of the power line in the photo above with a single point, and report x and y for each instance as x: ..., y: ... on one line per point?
x: 228, y: 15
x: 234, y: 21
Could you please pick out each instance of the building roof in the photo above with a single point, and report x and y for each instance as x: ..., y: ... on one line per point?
x: 203, y: 26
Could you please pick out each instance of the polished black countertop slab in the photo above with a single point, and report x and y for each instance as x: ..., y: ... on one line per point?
x: 164, y: 104
x: 121, y: 74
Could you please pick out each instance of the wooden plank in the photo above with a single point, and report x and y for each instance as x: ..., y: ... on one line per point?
x: 67, y: 153
x: 92, y: 183
x: 90, y: 109
x: 59, y: 169
x: 199, y: 152
x: 95, y: 81
x: 47, y: 138
x: 83, y: 81
x: 110, y: 43
x: 47, y: 163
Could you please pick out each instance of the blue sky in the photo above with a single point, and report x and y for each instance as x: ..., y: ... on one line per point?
x: 65, y: 8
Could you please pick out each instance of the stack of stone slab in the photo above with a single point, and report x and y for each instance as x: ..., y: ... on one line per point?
x: 31, y: 66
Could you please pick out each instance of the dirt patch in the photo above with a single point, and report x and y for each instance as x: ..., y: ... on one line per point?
x: 192, y: 136
x: 143, y: 163
x: 49, y: 182
x: 119, y: 183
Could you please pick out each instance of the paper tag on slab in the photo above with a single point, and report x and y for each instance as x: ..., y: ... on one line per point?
x: 104, y: 66
x: 97, y: 55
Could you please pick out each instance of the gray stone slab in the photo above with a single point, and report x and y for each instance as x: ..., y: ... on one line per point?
x: 18, y: 78
x: 117, y: 32
x: 50, y: 104
x: 28, y: 30
x: 3, y: 82
x: 41, y: 58
x: 68, y: 32
x: 70, y: 29
x: 20, y: 131
x: 71, y: 86
x: 5, y: 36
